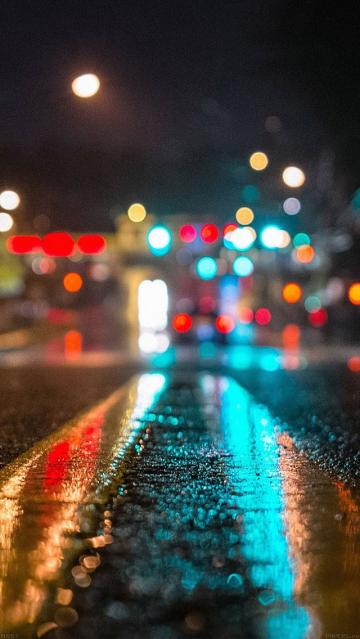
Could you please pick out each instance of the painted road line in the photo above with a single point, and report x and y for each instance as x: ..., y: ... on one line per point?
x: 301, y: 530
x: 50, y: 493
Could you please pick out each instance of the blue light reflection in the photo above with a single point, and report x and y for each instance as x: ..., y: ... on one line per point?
x: 250, y: 434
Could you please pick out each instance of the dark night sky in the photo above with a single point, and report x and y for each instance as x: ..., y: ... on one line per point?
x: 186, y: 89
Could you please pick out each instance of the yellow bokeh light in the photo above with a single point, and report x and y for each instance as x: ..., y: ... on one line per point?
x: 292, y: 293
x: 293, y: 176
x: 258, y: 161
x: 9, y: 200
x: 244, y: 215
x: 85, y: 86
x: 354, y: 293
x: 136, y: 212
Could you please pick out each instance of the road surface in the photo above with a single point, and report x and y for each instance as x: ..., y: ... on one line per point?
x: 213, y: 503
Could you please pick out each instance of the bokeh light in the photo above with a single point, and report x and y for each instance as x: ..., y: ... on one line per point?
x: 206, y: 268
x: 355, y: 201
x: 91, y: 244
x: 209, y: 233
x: 246, y: 315
x: 73, y: 342
x: 293, y: 177
x: 300, y: 239
x: 206, y: 304
x: 272, y: 237
x: 136, y: 212
x: 291, y: 335
x: 182, y: 322
x: 187, y: 233
x: 229, y: 228
x: 318, y: 318
x: 292, y: 293
x: 244, y: 215
x: 6, y: 222
x: 86, y: 85
x: 243, y: 266
x: 354, y: 293
x: 242, y: 238
x: 9, y: 200
x: 58, y: 244
x: 305, y: 254
x: 284, y: 239
x: 292, y: 206
x: 312, y: 303
x: 43, y: 265
x: 262, y: 316
x: 224, y: 324
x: 258, y: 161
x: 22, y: 244
x: 72, y: 282
x: 159, y: 240
x: 354, y: 364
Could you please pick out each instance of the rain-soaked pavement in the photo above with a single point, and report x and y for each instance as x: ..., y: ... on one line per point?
x: 183, y: 505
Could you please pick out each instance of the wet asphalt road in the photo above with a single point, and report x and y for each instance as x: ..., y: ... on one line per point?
x: 188, y: 504
x: 320, y: 406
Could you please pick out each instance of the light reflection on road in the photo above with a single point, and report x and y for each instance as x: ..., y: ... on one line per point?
x: 253, y: 471
x: 41, y: 494
x: 300, y: 532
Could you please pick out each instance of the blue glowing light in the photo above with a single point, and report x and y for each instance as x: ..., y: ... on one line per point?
x: 301, y: 239
x: 250, y: 434
x: 243, y: 266
x: 159, y: 240
x: 206, y: 268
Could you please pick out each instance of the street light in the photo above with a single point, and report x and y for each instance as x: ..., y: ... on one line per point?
x: 86, y: 85
x: 9, y: 200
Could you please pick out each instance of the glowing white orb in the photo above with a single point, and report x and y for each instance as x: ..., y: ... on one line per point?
x: 9, y: 200
x: 6, y: 222
x: 293, y: 177
x: 85, y: 86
